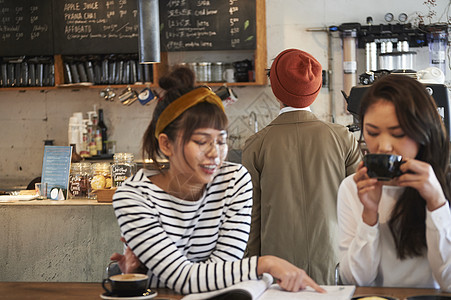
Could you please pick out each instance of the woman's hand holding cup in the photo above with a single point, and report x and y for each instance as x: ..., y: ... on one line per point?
x: 128, y: 262
x: 421, y: 176
x: 369, y: 191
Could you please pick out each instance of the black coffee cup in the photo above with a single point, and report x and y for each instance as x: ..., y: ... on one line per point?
x: 384, y: 167
x: 126, y: 285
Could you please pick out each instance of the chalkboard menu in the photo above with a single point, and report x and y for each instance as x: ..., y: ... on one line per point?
x: 207, y: 25
x: 77, y: 27
x: 95, y: 27
x: 26, y: 27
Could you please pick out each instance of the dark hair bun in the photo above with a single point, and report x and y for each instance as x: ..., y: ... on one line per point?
x: 181, y: 78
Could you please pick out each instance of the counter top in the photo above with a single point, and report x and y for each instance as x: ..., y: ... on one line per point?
x: 77, y: 290
x: 68, y: 202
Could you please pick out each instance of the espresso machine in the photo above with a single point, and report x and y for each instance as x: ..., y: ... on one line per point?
x: 439, y: 93
x: 388, y: 50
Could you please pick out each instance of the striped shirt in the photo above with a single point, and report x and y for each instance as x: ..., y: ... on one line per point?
x: 189, y: 246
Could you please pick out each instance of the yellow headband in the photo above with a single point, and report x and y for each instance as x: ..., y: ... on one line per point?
x: 181, y: 104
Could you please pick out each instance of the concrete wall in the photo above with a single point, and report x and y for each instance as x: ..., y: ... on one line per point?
x: 57, y: 242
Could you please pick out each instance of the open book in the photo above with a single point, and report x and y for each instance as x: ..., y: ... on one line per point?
x: 264, y: 289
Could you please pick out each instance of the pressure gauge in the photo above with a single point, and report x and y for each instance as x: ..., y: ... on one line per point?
x: 388, y: 17
x: 402, y: 17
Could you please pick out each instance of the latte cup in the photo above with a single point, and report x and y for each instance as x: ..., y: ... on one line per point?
x: 384, y: 167
x: 126, y: 285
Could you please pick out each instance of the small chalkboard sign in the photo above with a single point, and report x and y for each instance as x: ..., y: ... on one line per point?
x: 207, y: 25
x: 26, y: 28
x: 95, y: 27
x: 56, y: 169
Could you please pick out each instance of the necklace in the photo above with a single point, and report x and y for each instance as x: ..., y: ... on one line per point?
x: 178, y: 189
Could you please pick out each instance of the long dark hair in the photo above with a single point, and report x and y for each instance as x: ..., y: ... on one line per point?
x: 202, y: 115
x: 418, y: 117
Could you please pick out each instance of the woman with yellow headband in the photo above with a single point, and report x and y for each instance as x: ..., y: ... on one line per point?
x: 188, y: 224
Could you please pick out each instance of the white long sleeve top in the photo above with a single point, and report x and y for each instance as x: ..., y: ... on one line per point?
x: 189, y: 246
x: 368, y: 254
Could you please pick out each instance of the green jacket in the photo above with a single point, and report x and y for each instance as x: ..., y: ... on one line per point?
x: 297, y: 163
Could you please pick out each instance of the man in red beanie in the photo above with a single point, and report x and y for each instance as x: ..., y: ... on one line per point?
x: 297, y: 163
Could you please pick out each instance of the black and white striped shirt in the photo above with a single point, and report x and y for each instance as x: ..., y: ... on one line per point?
x: 189, y: 246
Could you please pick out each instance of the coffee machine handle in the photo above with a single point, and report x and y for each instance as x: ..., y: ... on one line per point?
x: 345, y: 96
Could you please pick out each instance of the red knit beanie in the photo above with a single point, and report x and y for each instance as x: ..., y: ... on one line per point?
x: 296, y: 78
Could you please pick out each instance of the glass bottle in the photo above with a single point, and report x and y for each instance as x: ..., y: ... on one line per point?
x: 122, y: 168
x: 97, y: 134
x: 91, y: 128
x: 103, y: 132
x: 75, y: 156
x: 84, y: 151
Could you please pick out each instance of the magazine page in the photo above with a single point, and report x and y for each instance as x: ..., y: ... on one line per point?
x: 250, y: 289
x: 334, y: 292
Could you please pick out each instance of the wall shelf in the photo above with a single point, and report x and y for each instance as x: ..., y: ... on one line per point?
x: 160, y: 69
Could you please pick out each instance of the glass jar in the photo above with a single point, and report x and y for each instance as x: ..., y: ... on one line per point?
x: 193, y: 67
x: 203, y: 72
x: 123, y: 167
x: 101, y: 176
x: 79, y: 180
x: 217, y: 68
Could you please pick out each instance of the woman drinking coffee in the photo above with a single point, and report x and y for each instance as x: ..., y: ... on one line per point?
x: 398, y: 232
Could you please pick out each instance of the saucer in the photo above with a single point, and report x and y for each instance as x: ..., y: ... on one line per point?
x: 375, y: 296
x: 429, y: 297
x: 108, y: 296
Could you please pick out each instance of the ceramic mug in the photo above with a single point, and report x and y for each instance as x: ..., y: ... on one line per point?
x: 384, y: 167
x: 229, y: 75
x: 126, y: 285
x: 227, y: 95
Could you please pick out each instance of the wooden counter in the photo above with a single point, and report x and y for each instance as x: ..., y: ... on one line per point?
x: 397, y: 293
x: 66, y: 240
x: 88, y: 291
x: 69, y: 202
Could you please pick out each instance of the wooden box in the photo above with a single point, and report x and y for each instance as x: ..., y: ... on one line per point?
x: 105, y: 195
